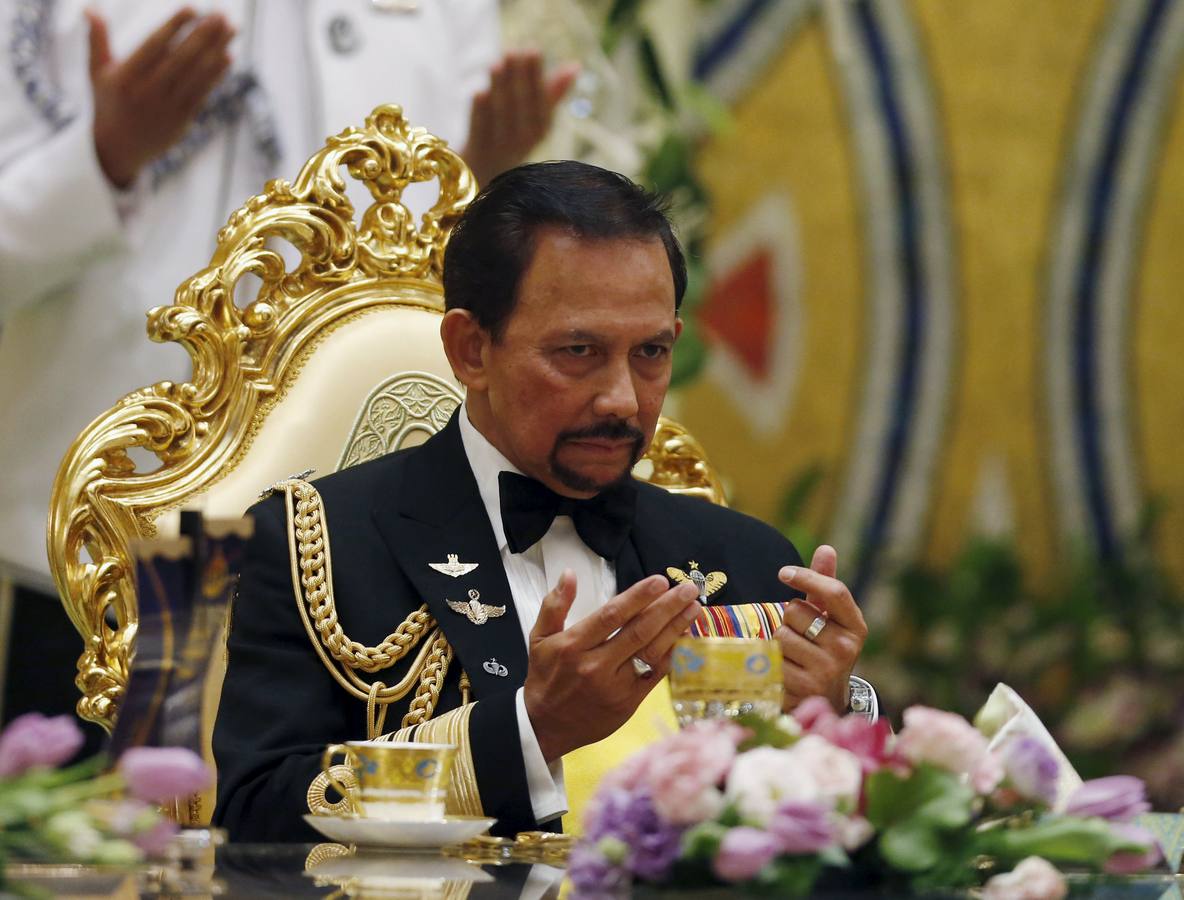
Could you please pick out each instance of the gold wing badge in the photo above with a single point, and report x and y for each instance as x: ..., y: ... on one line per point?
x: 707, y: 584
x: 475, y: 611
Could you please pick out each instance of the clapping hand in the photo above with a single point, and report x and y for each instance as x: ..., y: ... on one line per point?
x: 821, y: 636
x: 582, y: 684
x: 144, y: 103
x: 514, y: 113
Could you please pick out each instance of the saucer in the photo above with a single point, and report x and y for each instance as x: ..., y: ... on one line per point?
x: 372, y: 868
x: 401, y: 834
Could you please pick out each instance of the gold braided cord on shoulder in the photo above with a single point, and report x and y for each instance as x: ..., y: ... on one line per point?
x: 464, y: 797
x: 312, y: 584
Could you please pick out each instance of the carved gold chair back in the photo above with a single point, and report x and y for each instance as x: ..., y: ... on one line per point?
x: 330, y: 361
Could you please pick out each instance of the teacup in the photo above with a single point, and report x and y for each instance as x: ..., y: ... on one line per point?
x: 725, y: 677
x: 396, y: 780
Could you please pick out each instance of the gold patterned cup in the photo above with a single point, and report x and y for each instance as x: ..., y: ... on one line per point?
x: 725, y: 677
x: 396, y: 781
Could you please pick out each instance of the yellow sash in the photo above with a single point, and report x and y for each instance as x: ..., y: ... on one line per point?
x: 584, y: 768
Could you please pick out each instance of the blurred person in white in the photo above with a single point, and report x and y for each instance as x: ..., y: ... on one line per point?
x: 130, y: 129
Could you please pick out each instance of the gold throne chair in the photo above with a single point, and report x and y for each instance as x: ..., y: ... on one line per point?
x: 324, y: 363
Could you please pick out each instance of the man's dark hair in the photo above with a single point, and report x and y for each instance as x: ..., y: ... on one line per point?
x: 493, y: 243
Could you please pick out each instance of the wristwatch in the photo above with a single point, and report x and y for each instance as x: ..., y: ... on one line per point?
x: 862, y: 699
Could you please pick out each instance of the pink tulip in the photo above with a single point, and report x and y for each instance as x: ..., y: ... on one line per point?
x: 1129, y: 863
x: 1118, y: 798
x: 158, y: 774
x: 743, y: 852
x: 34, y: 740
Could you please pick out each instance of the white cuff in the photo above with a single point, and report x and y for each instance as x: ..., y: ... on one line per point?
x: 548, y: 796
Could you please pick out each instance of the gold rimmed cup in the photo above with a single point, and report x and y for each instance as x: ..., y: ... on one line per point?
x: 725, y: 677
x: 395, y: 780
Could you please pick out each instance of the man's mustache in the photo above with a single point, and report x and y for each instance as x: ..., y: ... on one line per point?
x: 608, y: 431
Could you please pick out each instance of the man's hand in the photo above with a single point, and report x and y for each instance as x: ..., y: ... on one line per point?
x: 581, y: 686
x: 820, y: 667
x: 144, y: 103
x: 514, y: 113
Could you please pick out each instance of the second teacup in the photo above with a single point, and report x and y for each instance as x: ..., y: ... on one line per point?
x: 396, y: 780
x: 724, y: 677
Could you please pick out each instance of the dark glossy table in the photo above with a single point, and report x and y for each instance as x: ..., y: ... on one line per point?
x: 333, y: 870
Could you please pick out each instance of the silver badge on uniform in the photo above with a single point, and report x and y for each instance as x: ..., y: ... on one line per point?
x: 493, y: 667
x: 454, y: 567
x: 475, y: 611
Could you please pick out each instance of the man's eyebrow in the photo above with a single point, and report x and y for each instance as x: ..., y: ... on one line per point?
x: 579, y: 336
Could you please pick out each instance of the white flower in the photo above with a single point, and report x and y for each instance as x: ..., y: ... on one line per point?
x: 764, y: 778
x: 836, y: 773
x: 75, y: 833
x: 1032, y: 879
x: 853, y: 831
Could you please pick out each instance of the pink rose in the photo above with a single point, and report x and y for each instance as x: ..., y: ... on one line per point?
x: 34, y: 740
x: 685, y: 779
x: 716, y: 740
x: 815, y: 714
x: 158, y: 774
x: 867, y: 740
x: 743, y: 852
x: 949, y: 742
x: 1032, y: 879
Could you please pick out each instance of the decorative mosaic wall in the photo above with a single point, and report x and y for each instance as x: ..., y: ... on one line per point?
x: 945, y: 231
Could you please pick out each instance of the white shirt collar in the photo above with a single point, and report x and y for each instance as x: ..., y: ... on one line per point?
x: 486, y: 461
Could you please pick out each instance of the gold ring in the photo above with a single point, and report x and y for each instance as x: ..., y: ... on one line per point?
x: 815, y: 629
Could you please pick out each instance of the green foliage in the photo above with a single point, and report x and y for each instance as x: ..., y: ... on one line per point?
x: 765, y: 732
x: 1059, y: 839
x: 1098, y: 652
x: 918, y: 817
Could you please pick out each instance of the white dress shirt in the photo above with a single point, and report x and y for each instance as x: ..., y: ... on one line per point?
x: 531, y: 575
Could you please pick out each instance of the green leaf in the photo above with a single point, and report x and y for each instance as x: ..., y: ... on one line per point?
x: 702, y: 841
x: 765, y: 733
x: 788, y: 876
x: 1056, y: 838
x: 911, y: 846
x: 917, y: 815
x: 929, y: 795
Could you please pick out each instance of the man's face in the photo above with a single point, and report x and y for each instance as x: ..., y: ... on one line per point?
x: 577, y: 380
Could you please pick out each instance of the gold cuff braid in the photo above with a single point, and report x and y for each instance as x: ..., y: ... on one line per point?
x: 464, y: 797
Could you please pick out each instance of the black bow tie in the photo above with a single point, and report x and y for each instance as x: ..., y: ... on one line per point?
x: 529, y: 507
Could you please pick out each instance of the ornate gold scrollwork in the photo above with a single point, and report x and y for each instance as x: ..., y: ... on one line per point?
x: 679, y: 464
x: 241, y: 358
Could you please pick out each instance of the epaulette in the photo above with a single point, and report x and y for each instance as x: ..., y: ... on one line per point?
x: 283, y: 483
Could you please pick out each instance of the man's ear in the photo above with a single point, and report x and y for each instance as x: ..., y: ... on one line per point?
x: 677, y: 325
x: 465, y: 342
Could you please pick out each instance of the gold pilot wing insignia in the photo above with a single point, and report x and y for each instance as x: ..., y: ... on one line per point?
x: 475, y: 611
x: 454, y: 567
x: 707, y: 583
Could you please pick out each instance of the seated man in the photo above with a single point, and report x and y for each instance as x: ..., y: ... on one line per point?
x: 562, y: 284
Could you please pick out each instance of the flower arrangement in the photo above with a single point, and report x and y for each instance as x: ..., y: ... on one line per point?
x: 82, y: 813
x: 779, y: 806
